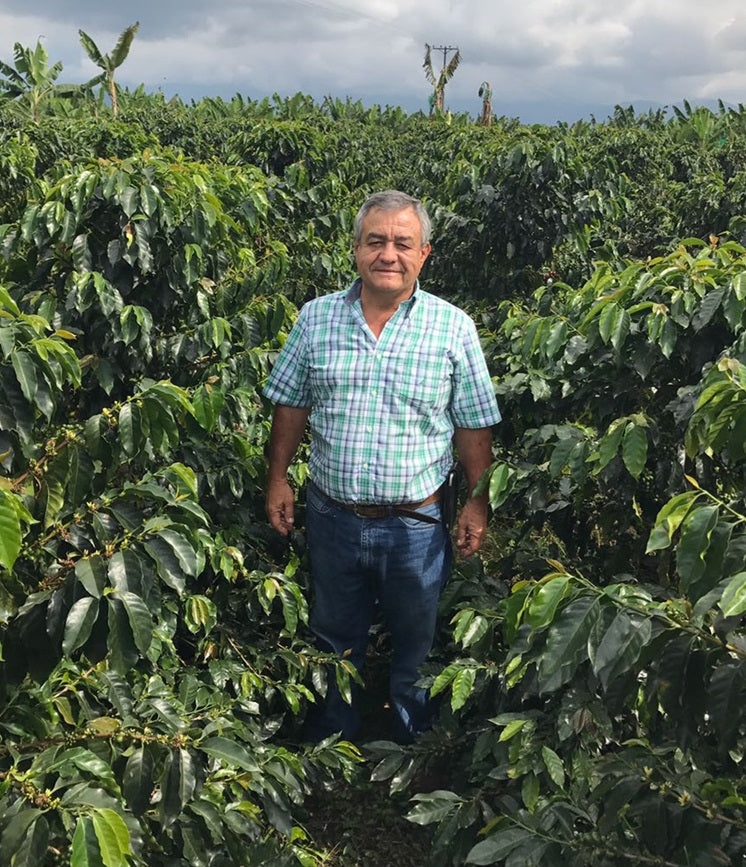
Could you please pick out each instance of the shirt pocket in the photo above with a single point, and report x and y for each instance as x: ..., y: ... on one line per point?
x: 422, y: 382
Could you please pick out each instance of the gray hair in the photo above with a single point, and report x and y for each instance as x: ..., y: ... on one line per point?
x: 393, y: 200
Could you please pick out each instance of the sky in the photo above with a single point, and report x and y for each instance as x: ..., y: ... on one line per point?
x: 545, y: 60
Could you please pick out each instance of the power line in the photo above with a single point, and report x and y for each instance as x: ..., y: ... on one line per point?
x: 445, y: 49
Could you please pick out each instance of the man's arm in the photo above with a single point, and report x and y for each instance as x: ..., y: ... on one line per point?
x: 288, y: 424
x: 474, y: 447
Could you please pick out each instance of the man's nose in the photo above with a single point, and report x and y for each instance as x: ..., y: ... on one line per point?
x: 388, y: 251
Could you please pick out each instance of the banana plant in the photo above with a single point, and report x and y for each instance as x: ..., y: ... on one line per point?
x: 440, y: 80
x: 109, y: 62
x: 31, y: 80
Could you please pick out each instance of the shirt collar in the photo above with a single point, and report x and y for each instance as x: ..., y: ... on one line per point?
x: 352, y: 295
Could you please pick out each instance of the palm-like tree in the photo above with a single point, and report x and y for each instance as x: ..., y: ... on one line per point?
x: 109, y: 62
x: 439, y: 81
x: 32, y: 80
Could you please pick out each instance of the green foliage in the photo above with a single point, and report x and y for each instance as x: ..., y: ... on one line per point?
x: 152, y: 643
x: 155, y: 663
x: 599, y: 707
x: 109, y: 63
x: 31, y: 81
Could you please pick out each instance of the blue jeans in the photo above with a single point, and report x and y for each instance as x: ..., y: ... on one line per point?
x: 403, y: 564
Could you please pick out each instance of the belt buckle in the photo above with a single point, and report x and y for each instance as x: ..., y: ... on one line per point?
x: 368, y: 511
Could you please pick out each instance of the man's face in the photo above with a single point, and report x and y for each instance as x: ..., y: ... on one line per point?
x: 390, y: 255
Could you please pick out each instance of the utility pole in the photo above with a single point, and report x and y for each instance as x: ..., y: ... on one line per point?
x: 439, y: 82
x: 445, y: 49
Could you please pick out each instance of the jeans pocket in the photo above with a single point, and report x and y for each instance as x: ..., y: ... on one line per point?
x: 318, y: 501
x: 433, y: 510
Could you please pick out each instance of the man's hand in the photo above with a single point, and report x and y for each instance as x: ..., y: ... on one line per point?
x: 475, y: 455
x: 280, y: 505
x: 288, y: 424
x: 472, y: 525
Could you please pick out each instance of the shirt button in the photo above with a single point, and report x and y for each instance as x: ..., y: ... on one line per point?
x: 369, y: 429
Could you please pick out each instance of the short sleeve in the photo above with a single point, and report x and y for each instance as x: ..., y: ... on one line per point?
x: 288, y: 382
x: 473, y: 404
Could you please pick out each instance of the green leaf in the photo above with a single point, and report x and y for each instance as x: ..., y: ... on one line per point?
x: 733, y: 600
x: 54, y: 487
x: 16, y: 829
x: 33, y: 848
x: 530, y: 791
x: 620, y: 646
x: 387, y: 767
x: 113, y: 837
x: 130, y: 428
x: 148, y: 199
x: 129, y: 200
x: 229, y: 753
x: 28, y: 223
x: 608, y: 319
x: 474, y: 632
x: 85, y: 851
x: 84, y: 760
x: 125, y: 571
x: 567, y: 642
x: 622, y: 324
x: 122, y: 651
x: 544, y: 602
x: 462, y: 687
x: 669, y: 519
x: 433, y: 807
x: 707, y: 309
x: 500, y: 484
x: 561, y: 455
x: 81, y: 254
x: 144, y: 252
x: 557, y: 338
x: 635, y: 449
x: 201, y: 613
x: 137, y: 781
x: 177, y: 785
x: 25, y: 371
x: 10, y: 530
x: 140, y: 618
x: 342, y: 678
x: 554, y: 766
x: 608, y: 447
x: 78, y: 476
x: 696, y: 533
x: 185, y: 553
x: 79, y: 624
x: 444, y: 678
x: 208, y: 403
x: 725, y: 694
x: 166, y: 564
x: 512, y: 729
x: 497, y: 847
x: 91, y: 573
x: 91, y: 49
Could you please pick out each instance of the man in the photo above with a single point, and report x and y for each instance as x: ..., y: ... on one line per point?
x: 390, y: 378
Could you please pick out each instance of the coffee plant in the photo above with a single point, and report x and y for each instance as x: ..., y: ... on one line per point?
x: 155, y: 657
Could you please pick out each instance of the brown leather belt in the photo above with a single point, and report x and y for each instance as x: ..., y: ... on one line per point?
x: 407, y: 510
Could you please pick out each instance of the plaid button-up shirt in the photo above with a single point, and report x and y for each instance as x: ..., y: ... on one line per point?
x: 383, y: 411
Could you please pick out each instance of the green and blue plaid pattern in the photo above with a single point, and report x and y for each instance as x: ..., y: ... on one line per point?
x: 383, y: 411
